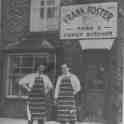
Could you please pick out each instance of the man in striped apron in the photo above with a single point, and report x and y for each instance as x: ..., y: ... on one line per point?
x: 38, y: 86
x: 67, y: 86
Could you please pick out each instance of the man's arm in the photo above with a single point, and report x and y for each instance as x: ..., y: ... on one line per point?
x: 57, y: 87
x: 48, y: 84
x: 76, y: 84
x: 77, y: 88
x: 24, y: 84
x: 27, y: 81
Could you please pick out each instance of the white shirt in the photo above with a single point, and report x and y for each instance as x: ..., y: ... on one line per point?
x: 74, y: 81
x: 29, y: 80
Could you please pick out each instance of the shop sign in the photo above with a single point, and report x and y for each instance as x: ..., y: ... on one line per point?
x: 96, y: 44
x: 97, y: 20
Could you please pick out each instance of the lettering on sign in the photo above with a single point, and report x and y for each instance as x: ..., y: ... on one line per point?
x: 105, y: 14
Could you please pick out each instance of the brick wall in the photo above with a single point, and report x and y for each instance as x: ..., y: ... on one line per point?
x: 72, y: 55
x: 117, y: 65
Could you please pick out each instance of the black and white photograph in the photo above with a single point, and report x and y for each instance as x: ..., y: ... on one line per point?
x: 61, y: 61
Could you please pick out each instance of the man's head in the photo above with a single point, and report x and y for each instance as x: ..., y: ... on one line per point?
x: 64, y: 68
x: 41, y: 68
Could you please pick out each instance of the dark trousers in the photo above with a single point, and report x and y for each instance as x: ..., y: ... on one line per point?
x: 72, y: 122
x: 39, y: 121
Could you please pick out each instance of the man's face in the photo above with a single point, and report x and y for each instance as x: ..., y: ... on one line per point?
x: 65, y: 70
x: 41, y: 69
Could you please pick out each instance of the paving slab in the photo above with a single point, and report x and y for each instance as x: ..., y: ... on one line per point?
x: 23, y: 121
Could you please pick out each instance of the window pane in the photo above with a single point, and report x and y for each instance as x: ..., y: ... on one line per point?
x: 16, y: 70
x: 14, y: 62
x: 27, y: 61
x: 42, y: 3
x: 26, y: 70
x: 50, y: 2
x: 96, y: 80
x: 10, y: 87
x: 40, y: 60
x: 42, y: 12
x: 13, y: 86
x: 51, y: 12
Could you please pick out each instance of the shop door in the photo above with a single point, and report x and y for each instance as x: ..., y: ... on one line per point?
x: 96, y: 83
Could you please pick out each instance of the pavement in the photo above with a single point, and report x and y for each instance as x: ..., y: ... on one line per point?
x: 23, y: 121
x: 12, y: 121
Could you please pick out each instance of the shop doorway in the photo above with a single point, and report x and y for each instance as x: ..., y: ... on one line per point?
x: 96, y: 84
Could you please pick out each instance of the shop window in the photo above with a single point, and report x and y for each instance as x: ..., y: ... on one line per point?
x: 44, y: 15
x: 20, y: 65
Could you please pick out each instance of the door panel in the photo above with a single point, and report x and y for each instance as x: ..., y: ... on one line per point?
x: 96, y: 68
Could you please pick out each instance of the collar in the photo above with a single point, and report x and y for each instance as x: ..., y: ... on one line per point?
x: 41, y: 75
x: 67, y: 74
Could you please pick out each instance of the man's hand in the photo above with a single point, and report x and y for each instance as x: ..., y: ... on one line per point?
x: 27, y: 88
x: 55, y: 101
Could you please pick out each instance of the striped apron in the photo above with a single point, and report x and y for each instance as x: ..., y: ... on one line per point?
x: 66, y: 107
x: 37, y: 100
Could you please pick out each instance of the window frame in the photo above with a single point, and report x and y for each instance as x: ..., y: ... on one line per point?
x: 46, y: 25
x: 8, y: 72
